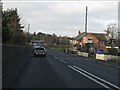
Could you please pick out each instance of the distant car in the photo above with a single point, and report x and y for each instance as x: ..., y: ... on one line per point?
x: 99, y: 52
x: 71, y: 50
x: 39, y: 51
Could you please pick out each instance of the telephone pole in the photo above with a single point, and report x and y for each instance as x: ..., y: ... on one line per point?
x: 86, y: 20
x: 28, y: 28
x: 28, y: 34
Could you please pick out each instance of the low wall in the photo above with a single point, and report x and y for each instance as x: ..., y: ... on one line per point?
x: 82, y: 54
x: 106, y: 57
x: 13, y: 59
x: 100, y: 56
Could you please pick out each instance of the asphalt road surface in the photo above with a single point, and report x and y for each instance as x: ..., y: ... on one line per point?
x: 62, y: 70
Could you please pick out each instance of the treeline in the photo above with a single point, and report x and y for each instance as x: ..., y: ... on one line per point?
x: 13, y: 34
x: 52, y: 39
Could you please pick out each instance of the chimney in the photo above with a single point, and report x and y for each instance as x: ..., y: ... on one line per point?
x: 79, y: 33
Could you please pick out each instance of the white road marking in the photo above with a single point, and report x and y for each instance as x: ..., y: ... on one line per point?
x: 97, y: 77
x: 60, y: 60
x: 74, y: 68
x: 55, y: 57
x: 63, y: 61
x: 89, y: 77
x: 118, y: 67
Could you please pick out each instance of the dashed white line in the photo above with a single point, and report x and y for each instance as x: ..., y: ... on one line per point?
x: 55, y: 57
x: 62, y: 61
x: 89, y: 77
x: 118, y: 67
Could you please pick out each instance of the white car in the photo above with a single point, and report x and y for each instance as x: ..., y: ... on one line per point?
x: 39, y: 51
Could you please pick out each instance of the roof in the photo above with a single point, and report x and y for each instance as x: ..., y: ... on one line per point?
x: 80, y: 36
x: 99, y: 36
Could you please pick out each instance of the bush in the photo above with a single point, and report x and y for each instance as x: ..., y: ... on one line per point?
x: 113, y: 51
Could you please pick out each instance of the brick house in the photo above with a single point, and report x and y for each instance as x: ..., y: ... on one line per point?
x: 88, y: 40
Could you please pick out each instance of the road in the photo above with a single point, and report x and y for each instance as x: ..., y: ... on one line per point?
x: 62, y: 70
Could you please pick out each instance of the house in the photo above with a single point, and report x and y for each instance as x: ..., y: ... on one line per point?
x: 84, y: 41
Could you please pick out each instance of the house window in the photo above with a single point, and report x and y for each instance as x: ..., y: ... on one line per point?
x: 89, y: 40
x: 102, y: 42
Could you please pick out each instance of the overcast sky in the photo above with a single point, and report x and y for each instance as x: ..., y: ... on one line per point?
x: 65, y: 18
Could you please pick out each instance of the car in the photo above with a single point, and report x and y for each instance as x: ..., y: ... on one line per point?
x: 39, y: 51
x: 99, y: 51
x: 71, y: 50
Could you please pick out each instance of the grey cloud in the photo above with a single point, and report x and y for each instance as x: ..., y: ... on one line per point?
x: 55, y: 17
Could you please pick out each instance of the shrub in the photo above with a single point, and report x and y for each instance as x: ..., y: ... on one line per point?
x: 112, y: 51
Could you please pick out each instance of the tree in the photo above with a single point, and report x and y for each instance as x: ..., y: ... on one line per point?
x: 48, y: 39
x: 6, y: 36
x: 18, y: 37
x: 1, y: 5
x: 54, y: 38
x: 40, y: 35
x: 34, y: 34
x: 112, y: 31
x: 12, y: 28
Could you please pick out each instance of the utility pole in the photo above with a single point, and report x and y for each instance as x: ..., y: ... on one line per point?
x: 86, y: 20
x: 28, y: 28
x: 28, y: 34
x: 60, y: 40
x: 86, y: 23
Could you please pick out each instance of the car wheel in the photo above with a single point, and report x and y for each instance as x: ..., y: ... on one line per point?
x: 35, y: 55
x: 44, y: 55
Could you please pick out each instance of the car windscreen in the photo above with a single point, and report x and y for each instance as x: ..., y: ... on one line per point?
x: 40, y: 49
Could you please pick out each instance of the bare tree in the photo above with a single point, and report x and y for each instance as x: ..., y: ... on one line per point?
x: 112, y: 31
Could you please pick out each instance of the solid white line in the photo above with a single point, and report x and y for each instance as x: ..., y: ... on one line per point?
x: 98, y: 77
x: 89, y: 77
